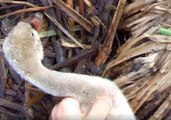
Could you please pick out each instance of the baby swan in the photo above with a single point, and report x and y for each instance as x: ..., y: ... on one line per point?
x: 24, y: 52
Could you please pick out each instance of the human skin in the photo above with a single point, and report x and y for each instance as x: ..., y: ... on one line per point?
x: 69, y: 109
x: 24, y: 52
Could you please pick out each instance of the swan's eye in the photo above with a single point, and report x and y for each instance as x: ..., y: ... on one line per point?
x: 32, y: 34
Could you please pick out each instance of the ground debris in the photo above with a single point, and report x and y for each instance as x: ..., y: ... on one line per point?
x: 117, y: 39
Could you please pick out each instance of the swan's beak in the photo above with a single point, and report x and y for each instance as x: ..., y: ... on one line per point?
x: 36, y: 21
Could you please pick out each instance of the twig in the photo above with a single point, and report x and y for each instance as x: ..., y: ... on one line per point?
x: 107, y: 46
x: 74, y: 59
x: 3, y: 75
x: 63, y: 29
x: 71, y: 21
x: 25, y: 10
x: 17, y: 2
x: 77, y: 17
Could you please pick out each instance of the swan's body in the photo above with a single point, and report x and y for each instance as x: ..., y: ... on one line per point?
x: 24, y: 52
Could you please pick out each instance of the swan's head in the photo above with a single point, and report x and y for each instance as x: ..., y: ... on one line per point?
x: 23, y: 46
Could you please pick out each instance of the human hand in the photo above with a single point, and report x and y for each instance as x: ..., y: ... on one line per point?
x: 69, y: 109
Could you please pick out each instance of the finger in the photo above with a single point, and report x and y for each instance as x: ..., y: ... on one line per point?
x: 68, y: 109
x: 100, y: 109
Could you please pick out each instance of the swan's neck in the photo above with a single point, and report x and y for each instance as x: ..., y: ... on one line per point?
x: 47, y: 80
x: 82, y: 87
x: 58, y: 83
